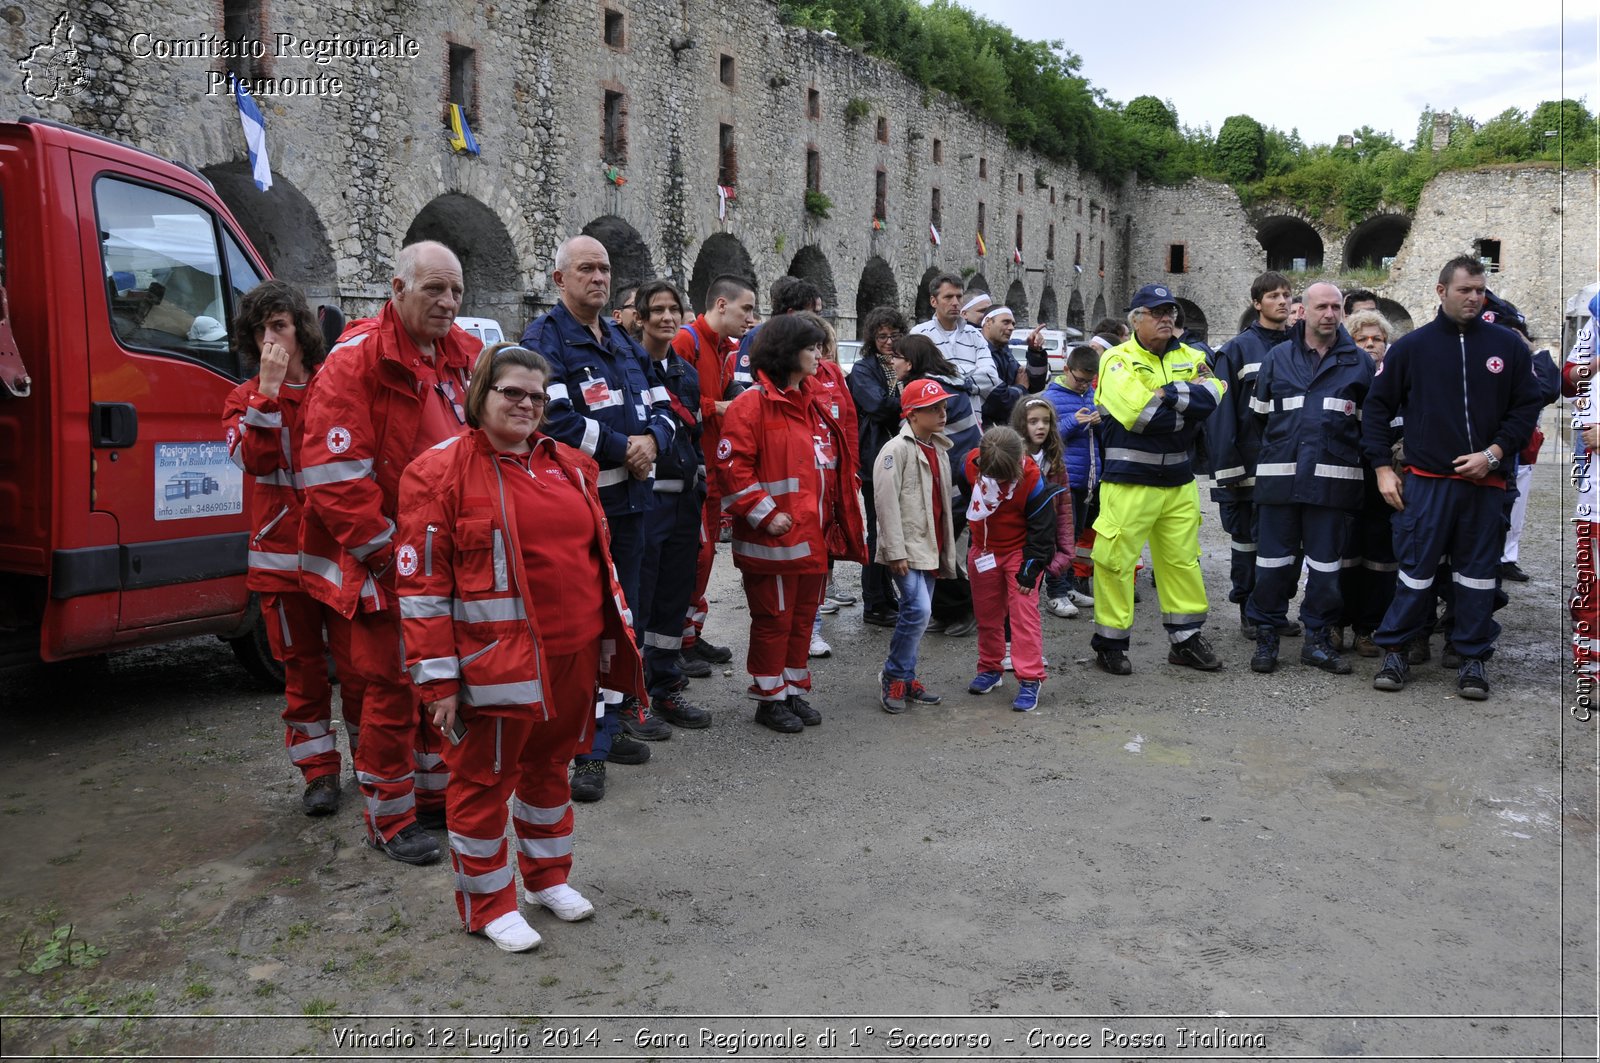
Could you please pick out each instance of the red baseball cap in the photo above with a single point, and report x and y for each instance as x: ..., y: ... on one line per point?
x: 920, y: 393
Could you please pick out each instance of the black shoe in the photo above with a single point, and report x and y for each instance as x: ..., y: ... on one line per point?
x: 1512, y: 571
x: 1318, y: 652
x: 430, y: 818
x: 694, y: 667
x: 962, y: 628
x: 1113, y: 662
x: 322, y: 796
x: 802, y: 709
x: 1392, y: 676
x: 776, y: 715
x: 640, y: 722
x: 588, y: 780
x: 935, y: 625
x: 1470, y: 680
x: 1290, y: 629
x: 680, y: 713
x: 1247, y: 627
x: 707, y: 650
x: 1419, y: 650
x: 625, y: 750
x: 880, y: 617
x: 1266, y: 655
x: 1194, y: 652
x: 1449, y: 657
x: 412, y: 845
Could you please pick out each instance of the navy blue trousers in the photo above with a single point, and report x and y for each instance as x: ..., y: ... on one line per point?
x: 627, y: 551
x: 1367, y: 582
x: 666, y: 584
x: 1283, y: 533
x: 1238, y: 518
x: 1465, y: 522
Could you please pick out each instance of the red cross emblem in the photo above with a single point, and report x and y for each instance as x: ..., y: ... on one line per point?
x: 1494, y: 365
x: 338, y: 440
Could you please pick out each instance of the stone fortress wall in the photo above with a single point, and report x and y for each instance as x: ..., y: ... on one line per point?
x: 360, y: 172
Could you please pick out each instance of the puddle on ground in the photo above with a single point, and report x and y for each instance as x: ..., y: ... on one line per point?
x: 1150, y: 750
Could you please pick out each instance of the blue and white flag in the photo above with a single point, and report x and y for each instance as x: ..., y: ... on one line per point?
x: 255, y: 134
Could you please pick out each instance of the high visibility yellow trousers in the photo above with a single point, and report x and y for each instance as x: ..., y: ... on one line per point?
x: 1169, y: 519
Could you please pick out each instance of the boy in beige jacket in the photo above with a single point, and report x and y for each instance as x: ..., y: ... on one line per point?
x: 916, y: 536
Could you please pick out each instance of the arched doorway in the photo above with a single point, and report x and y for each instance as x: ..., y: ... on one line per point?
x: 283, y: 226
x: 1290, y: 243
x: 1398, y: 316
x: 1074, y: 310
x: 1017, y: 300
x: 1377, y: 238
x: 721, y: 253
x: 877, y: 288
x: 488, y: 257
x: 1194, y: 321
x: 977, y: 283
x: 1247, y: 318
x: 1047, y: 306
x: 920, y: 309
x: 812, y: 265
x: 630, y: 256
x: 1099, y: 310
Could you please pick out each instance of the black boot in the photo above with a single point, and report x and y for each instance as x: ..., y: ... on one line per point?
x: 1266, y: 655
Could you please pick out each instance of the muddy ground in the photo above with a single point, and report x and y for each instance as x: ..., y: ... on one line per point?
x: 1313, y: 868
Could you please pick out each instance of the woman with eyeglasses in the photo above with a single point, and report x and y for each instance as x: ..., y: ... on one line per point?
x: 512, y: 616
x: 876, y: 392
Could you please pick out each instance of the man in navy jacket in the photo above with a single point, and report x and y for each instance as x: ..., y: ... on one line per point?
x: 1468, y: 398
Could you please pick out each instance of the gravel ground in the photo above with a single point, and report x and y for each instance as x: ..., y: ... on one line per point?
x: 1309, y: 867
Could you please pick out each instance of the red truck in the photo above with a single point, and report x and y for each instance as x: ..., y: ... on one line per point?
x: 122, y: 519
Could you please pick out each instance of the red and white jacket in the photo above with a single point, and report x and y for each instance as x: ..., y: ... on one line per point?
x: 264, y: 440
x: 774, y: 457
x: 363, y: 425
x: 466, y: 599
x: 836, y: 399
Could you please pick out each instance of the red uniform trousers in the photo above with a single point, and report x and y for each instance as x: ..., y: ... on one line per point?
x: 710, y: 526
x: 782, y: 609
x: 523, y: 758
x: 996, y: 598
x: 295, y: 624
x: 398, y: 762
x: 1585, y: 605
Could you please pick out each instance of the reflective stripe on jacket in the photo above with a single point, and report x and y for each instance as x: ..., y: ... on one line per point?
x: 466, y: 605
x: 1233, y: 433
x: 264, y: 440
x: 362, y: 421
x: 1309, y: 408
x: 1156, y: 406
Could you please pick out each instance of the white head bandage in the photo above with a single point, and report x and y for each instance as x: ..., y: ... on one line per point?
x: 977, y: 301
x: 997, y: 311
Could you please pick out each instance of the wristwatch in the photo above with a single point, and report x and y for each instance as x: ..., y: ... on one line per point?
x: 1494, y: 462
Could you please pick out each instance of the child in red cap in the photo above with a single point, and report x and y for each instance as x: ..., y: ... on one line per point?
x: 916, y: 538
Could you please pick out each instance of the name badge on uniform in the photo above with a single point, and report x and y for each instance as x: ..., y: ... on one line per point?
x: 984, y: 562
x: 597, y: 394
x: 824, y: 449
x: 835, y: 409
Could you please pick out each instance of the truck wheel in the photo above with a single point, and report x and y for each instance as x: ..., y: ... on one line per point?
x: 255, y: 652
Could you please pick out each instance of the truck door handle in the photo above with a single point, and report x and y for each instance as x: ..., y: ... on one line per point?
x: 114, y: 424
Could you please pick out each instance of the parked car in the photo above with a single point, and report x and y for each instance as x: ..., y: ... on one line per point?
x: 485, y: 329
x: 849, y: 352
x: 1056, y: 342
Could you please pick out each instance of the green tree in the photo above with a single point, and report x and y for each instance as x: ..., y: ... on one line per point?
x: 1241, y: 149
x: 1147, y: 110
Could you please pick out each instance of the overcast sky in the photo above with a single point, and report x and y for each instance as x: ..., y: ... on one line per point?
x: 1325, y: 69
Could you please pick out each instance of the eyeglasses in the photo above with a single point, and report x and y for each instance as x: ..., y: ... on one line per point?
x: 887, y: 337
x: 516, y: 396
x: 627, y: 306
x: 1164, y: 312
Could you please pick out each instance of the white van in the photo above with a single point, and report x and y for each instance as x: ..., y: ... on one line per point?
x: 485, y: 329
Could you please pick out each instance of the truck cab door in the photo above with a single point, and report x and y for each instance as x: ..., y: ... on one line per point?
x: 163, y: 275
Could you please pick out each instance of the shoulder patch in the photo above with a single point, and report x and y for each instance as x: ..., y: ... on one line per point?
x: 338, y: 439
x: 724, y: 449
x: 888, y: 461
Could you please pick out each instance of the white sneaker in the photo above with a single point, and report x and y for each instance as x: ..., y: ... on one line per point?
x: 1063, y: 607
x: 820, y: 647
x: 1080, y: 599
x: 828, y: 607
x: 511, y: 933
x: 1005, y: 662
x: 564, y: 902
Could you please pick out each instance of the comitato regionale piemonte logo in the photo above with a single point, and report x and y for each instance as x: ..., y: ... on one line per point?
x: 55, y: 68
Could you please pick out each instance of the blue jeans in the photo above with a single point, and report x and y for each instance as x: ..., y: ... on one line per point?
x: 916, y: 605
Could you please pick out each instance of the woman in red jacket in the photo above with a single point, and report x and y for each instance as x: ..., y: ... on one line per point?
x: 508, y: 675
x: 789, y: 479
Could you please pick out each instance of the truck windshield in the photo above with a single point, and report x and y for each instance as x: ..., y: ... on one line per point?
x: 163, y: 273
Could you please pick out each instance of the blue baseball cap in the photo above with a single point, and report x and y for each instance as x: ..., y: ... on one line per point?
x: 1151, y: 296
x: 1500, y: 311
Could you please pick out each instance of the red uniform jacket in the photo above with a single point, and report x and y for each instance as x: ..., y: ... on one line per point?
x: 836, y: 399
x: 771, y: 459
x: 466, y: 600
x: 264, y: 440
x: 362, y: 428
x: 706, y: 356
